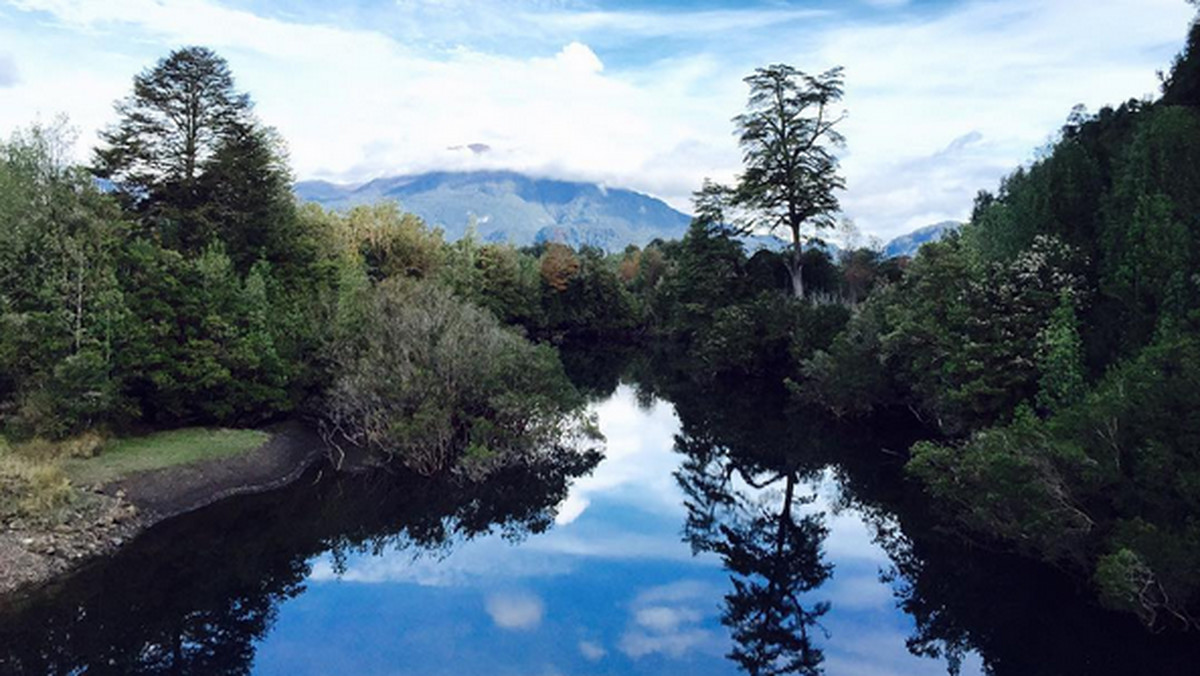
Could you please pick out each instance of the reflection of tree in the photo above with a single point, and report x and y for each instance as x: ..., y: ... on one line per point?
x: 773, y: 556
x: 595, y: 371
x: 193, y: 595
x: 1024, y: 618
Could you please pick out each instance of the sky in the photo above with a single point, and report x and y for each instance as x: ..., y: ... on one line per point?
x: 944, y: 97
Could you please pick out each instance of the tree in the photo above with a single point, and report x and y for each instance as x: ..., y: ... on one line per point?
x: 787, y: 135
x: 60, y: 299
x: 245, y: 197
x: 175, y: 120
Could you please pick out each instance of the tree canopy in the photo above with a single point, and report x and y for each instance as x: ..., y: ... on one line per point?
x: 788, y: 135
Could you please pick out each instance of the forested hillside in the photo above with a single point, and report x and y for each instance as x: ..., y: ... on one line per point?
x: 1055, y: 344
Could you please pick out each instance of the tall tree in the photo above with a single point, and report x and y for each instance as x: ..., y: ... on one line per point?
x: 177, y: 117
x: 787, y: 135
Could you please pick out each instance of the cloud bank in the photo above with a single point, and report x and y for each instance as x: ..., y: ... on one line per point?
x: 942, y: 101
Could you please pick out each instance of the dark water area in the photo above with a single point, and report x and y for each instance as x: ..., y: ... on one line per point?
x: 722, y: 532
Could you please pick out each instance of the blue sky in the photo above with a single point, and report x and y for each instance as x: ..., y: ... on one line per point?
x: 944, y: 96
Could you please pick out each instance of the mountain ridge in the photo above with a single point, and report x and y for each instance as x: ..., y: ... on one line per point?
x: 508, y: 206
x: 513, y: 207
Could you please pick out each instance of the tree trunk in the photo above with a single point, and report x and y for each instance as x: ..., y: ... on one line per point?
x: 795, y: 268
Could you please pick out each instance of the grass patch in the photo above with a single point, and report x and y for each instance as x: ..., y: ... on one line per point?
x: 32, y: 488
x: 122, y: 457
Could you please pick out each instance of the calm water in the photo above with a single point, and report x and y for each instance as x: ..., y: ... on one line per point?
x: 675, y: 555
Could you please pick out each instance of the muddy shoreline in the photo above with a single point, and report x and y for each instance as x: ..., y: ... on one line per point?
x: 110, y: 516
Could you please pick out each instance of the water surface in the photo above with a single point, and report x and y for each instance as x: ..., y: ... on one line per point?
x: 680, y: 552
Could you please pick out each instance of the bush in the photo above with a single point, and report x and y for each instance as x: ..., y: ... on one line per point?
x: 440, y: 386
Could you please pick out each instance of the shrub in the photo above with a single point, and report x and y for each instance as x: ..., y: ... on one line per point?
x: 440, y: 386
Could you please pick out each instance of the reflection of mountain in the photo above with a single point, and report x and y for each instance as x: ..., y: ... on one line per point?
x: 511, y: 207
x: 194, y: 595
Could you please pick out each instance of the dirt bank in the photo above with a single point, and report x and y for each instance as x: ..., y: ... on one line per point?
x: 111, y: 515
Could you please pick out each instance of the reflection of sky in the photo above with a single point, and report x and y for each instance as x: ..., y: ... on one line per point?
x: 611, y: 589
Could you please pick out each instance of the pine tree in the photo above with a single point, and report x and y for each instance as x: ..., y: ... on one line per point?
x: 177, y: 117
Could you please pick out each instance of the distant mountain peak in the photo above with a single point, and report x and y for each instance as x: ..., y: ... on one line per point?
x: 908, y: 245
x: 510, y: 206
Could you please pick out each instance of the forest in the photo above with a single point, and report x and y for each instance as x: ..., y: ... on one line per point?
x: 1049, y: 349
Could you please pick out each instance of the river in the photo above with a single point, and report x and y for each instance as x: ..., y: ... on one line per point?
x: 678, y: 553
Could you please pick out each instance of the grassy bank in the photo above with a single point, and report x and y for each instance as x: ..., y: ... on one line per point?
x: 40, y: 479
x: 120, y: 458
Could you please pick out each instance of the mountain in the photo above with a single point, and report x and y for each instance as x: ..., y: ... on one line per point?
x: 512, y: 207
x: 907, y: 245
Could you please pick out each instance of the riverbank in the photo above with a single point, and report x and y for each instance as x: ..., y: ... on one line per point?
x: 107, y: 515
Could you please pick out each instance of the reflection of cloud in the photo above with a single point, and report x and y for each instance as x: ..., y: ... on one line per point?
x: 673, y: 644
x: 862, y: 591
x: 684, y: 590
x: 488, y: 558
x: 638, y: 462
x: 617, y: 545
x: 515, y: 611
x: 882, y: 652
x: 592, y: 651
x: 669, y: 620
x: 664, y: 619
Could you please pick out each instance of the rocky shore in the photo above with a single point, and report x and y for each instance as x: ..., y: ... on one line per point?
x: 108, y: 516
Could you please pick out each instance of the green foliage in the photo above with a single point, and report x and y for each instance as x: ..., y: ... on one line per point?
x: 245, y: 198
x: 393, y: 243
x: 766, y: 335
x: 441, y: 386
x: 961, y: 336
x: 202, y: 350
x: 849, y: 377
x: 582, y: 294
x: 1123, y: 580
x: 181, y: 114
x: 707, y: 275
x: 60, y: 300
x: 1182, y: 85
x: 1061, y: 358
x: 1074, y: 288
x: 1011, y: 483
x: 1116, y: 471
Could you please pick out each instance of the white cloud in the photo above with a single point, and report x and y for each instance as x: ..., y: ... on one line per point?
x: 859, y: 591
x: 675, y: 592
x: 591, y: 651
x: 617, y: 544
x: 526, y: 78
x: 702, y: 23
x: 8, y: 71
x: 515, y: 611
x: 579, y: 59
x: 486, y: 559
x: 882, y: 652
